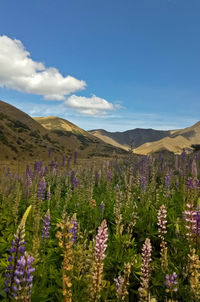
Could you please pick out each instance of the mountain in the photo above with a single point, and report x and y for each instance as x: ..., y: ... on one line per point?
x: 22, y: 137
x: 58, y: 124
x: 146, y: 141
x: 88, y: 144
x: 136, y: 137
x: 176, y: 142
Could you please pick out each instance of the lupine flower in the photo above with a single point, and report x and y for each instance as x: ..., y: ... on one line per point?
x: 145, y: 271
x: 188, y: 215
x: 100, y: 242
x: 37, y: 166
x: 183, y: 154
x: 167, y: 181
x: 196, y: 217
x: 66, y: 244
x: 74, y: 228
x: 41, y: 172
x: 75, y: 182
x: 194, y: 274
x: 17, y: 249
x: 46, y: 226
x: 171, y: 283
x: 52, y: 164
x: 99, y: 255
x: 197, y: 182
x: 122, y: 283
x: 109, y: 174
x: 143, y: 183
x: 101, y: 207
x: 93, y: 203
x: 41, y: 189
x: 190, y: 183
x: 118, y: 282
x: 162, y: 215
x: 23, y: 277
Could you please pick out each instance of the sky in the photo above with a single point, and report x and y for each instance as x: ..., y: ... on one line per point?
x: 111, y: 64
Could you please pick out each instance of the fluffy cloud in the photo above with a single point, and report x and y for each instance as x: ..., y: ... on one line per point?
x: 18, y: 71
x: 94, y: 105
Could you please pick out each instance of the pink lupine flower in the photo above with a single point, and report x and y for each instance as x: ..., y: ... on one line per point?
x: 162, y: 221
x: 145, y: 270
x: 99, y: 255
x: 100, y: 242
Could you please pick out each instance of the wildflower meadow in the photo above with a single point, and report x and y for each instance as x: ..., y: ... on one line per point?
x: 120, y: 229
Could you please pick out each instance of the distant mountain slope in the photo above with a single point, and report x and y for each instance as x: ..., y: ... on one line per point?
x: 56, y: 123
x: 136, y: 136
x: 178, y: 140
x: 21, y: 136
x: 85, y: 141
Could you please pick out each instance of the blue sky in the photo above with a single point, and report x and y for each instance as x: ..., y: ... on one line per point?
x: 108, y: 64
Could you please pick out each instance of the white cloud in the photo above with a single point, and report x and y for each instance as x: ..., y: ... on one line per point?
x: 93, y: 106
x: 19, y: 72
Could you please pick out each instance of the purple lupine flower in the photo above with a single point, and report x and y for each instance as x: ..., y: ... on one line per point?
x: 41, y: 189
x: 75, y: 182
x: 101, y: 207
x: 16, y: 251
x: 196, y: 217
x: 52, y: 164
x: 37, y: 166
x: 17, y: 248
x: 28, y: 184
x: 74, y: 228
x: 109, y: 174
x: 190, y: 183
x: 118, y: 282
x: 183, y: 154
x: 23, y: 277
x: 46, y: 226
x: 197, y: 182
x: 171, y: 283
x: 167, y: 181
x: 41, y: 172
x: 143, y: 183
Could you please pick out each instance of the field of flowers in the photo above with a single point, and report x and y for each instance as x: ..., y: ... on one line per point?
x: 122, y: 230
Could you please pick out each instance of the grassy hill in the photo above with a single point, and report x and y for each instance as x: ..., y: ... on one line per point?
x: 22, y: 137
x: 136, y: 137
x: 178, y: 140
x: 88, y: 144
